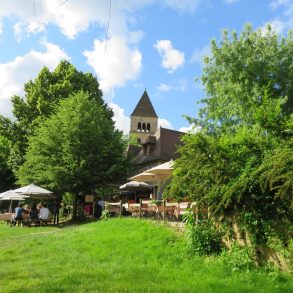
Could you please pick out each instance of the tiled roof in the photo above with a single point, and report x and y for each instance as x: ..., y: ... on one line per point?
x: 144, y: 108
x: 164, y: 149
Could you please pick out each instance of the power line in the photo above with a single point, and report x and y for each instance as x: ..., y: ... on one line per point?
x: 62, y: 3
x: 107, y: 31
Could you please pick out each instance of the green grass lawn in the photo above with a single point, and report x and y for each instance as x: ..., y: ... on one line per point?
x: 119, y: 255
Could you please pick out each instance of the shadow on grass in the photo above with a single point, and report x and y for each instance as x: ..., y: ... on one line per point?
x: 72, y: 223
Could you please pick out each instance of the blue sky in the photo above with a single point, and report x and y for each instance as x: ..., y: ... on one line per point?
x: 157, y: 45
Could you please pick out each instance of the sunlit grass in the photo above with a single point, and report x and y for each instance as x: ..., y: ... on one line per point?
x: 119, y: 255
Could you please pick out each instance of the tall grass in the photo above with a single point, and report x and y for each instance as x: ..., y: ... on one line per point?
x: 119, y: 255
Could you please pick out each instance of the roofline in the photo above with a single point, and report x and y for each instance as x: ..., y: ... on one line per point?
x: 173, y: 130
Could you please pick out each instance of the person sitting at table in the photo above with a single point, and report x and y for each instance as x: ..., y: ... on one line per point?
x: 34, y: 214
x: 25, y: 216
x: 44, y: 213
x: 18, y: 214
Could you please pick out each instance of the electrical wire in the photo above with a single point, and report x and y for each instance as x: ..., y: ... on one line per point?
x: 107, y: 31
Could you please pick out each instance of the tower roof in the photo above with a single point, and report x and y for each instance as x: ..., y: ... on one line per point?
x: 144, y: 108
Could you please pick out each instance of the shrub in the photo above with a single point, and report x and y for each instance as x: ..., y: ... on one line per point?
x: 238, y: 257
x: 202, y: 237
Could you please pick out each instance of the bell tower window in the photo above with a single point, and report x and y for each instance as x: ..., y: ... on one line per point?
x: 143, y: 127
x: 148, y: 127
x: 139, y: 126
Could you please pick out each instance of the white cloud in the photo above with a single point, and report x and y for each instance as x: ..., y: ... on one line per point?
x: 278, y: 25
x: 283, y: 22
x: 199, y: 54
x: 1, y: 28
x: 6, y: 108
x: 190, y: 129
x: 175, y: 85
x: 172, y: 58
x: 18, y: 32
x: 164, y: 123
x: 23, y: 68
x: 286, y: 4
x: 115, y: 65
x: 164, y: 87
x: 122, y: 122
x: 74, y: 17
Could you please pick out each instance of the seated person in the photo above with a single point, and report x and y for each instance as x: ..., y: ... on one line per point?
x: 34, y: 214
x: 44, y: 213
x: 18, y: 214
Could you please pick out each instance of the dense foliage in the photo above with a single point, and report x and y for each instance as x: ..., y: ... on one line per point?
x: 242, y: 160
x: 6, y: 175
x: 39, y: 102
x: 71, y: 146
x: 76, y: 149
x: 202, y: 236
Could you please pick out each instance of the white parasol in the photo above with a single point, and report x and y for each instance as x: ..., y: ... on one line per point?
x: 11, y: 195
x: 36, y: 192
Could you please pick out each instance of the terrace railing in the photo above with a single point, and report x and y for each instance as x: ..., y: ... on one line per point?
x: 160, y: 210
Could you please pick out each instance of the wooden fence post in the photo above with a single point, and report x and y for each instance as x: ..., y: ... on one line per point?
x: 164, y: 205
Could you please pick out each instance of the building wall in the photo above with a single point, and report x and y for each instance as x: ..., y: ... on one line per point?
x: 137, y: 123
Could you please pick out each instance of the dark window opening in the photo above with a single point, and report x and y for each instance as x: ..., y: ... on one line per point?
x: 139, y: 126
x: 143, y: 127
x: 148, y: 127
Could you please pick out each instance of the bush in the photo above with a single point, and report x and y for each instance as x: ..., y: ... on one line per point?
x: 238, y: 257
x: 283, y: 249
x: 203, y: 238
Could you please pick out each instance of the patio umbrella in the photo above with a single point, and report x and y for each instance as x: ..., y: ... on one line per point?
x: 36, y: 192
x: 135, y: 186
x: 11, y: 195
x: 154, y: 179
x: 148, y: 177
x: 163, y: 169
x: 158, y: 175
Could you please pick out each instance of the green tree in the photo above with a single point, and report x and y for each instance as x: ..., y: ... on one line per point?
x: 76, y: 149
x: 6, y: 175
x: 246, y: 73
x: 239, y: 161
x: 39, y: 102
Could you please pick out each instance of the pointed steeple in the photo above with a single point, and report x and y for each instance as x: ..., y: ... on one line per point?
x: 144, y: 108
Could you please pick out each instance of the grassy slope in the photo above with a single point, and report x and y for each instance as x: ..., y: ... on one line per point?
x: 124, y: 255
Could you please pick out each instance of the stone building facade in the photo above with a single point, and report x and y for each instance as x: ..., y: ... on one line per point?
x: 156, y: 145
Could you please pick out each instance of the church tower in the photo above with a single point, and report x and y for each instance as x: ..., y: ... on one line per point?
x: 143, y: 120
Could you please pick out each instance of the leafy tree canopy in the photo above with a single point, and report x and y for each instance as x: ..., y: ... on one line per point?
x: 241, y: 161
x: 247, y: 77
x: 39, y: 102
x: 6, y: 175
x: 43, y: 93
x: 76, y: 149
